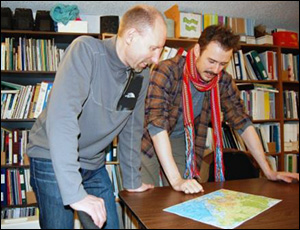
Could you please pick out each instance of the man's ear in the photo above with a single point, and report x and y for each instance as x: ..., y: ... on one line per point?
x: 197, y: 50
x: 130, y: 35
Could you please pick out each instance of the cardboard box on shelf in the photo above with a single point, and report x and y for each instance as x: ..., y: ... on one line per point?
x: 187, y: 25
x: 73, y: 27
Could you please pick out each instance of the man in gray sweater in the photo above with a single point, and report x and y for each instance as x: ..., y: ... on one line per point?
x: 85, y: 113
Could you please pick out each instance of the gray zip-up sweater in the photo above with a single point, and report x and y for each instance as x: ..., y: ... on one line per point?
x: 81, y: 119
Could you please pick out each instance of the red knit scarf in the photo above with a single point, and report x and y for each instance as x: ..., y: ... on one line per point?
x: 191, y: 74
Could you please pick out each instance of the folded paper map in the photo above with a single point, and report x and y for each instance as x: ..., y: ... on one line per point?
x: 223, y: 208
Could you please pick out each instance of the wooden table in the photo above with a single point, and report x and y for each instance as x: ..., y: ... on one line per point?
x: 148, y: 207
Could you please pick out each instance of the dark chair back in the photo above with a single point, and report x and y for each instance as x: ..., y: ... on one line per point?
x: 238, y: 165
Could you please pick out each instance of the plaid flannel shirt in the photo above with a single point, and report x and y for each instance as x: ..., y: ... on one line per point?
x: 163, y: 105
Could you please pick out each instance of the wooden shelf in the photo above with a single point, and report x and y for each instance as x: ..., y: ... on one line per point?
x: 106, y: 35
x: 27, y: 72
x: 112, y: 162
x: 291, y: 152
x: 14, y: 166
x: 257, y: 81
x: 172, y: 42
x: 42, y: 33
x: 291, y: 82
x: 59, y: 37
x: 18, y: 120
x: 20, y: 206
x: 227, y: 150
x: 266, y: 121
x: 290, y: 119
x: 273, y: 154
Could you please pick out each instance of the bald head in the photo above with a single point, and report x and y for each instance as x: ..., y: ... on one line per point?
x: 140, y: 17
x: 141, y: 37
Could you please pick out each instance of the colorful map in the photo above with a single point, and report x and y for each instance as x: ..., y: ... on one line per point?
x: 223, y: 208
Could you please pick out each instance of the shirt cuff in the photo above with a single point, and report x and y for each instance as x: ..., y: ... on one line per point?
x: 248, y: 123
x: 153, y: 130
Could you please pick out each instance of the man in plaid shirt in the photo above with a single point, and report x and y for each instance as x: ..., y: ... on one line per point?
x: 185, y: 94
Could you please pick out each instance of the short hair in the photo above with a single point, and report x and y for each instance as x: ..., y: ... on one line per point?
x: 220, y: 34
x: 140, y: 17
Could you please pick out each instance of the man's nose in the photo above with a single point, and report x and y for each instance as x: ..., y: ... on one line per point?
x: 217, y: 68
x: 155, y: 57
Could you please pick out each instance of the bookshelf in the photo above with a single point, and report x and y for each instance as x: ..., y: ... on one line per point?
x: 284, y: 85
x: 281, y: 84
x: 64, y: 39
x: 30, y: 76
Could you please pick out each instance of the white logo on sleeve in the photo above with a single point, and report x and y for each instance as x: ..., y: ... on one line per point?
x: 130, y: 95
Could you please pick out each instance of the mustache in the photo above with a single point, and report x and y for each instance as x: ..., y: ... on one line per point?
x: 212, y: 73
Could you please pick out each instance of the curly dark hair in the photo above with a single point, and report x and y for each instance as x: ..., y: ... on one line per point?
x: 220, y: 34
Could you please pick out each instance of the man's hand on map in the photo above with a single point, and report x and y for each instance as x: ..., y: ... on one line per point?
x: 284, y: 176
x: 188, y: 186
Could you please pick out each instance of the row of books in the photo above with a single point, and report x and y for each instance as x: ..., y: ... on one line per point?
x: 111, y: 152
x: 263, y: 40
x: 115, y: 176
x: 273, y: 162
x: 269, y: 135
x: 248, y: 66
x: 129, y: 220
x: 13, y: 147
x: 126, y: 220
x: 169, y: 52
x: 291, y: 136
x: 260, y: 102
x: 203, y: 20
x: 12, y: 213
x: 15, y: 187
x: 242, y: 26
x: 291, y: 104
x: 253, y: 66
x: 290, y: 63
x: 23, y: 102
x: 30, y: 54
x: 291, y: 163
x: 231, y: 139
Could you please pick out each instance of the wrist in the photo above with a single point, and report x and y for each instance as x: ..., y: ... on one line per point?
x: 268, y: 173
x: 175, y: 181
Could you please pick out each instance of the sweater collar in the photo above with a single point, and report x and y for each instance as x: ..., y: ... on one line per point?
x: 115, y: 62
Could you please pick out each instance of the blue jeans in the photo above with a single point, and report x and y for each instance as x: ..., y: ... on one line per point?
x: 53, y: 214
